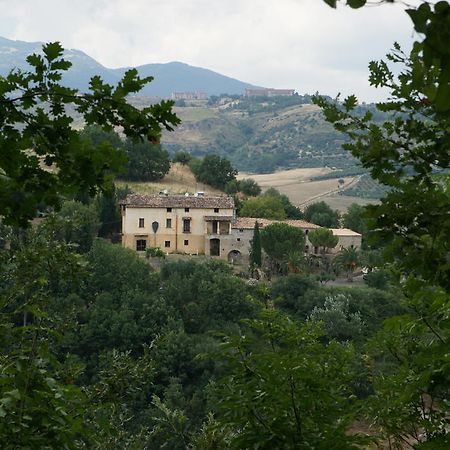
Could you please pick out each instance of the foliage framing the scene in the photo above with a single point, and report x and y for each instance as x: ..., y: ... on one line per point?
x: 411, y: 155
x: 42, y: 157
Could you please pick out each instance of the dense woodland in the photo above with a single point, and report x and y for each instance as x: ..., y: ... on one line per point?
x: 100, y: 351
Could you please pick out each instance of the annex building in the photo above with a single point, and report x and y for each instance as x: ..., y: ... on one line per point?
x: 207, y: 225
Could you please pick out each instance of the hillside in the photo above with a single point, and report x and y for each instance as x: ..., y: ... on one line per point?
x: 179, y: 180
x: 260, y: 135
x: 170, y: 77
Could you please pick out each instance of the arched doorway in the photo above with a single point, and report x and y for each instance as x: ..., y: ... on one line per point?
x: 234, y: 256
x: 214, y: 247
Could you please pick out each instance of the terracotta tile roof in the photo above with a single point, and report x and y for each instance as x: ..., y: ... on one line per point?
x: 177, y: 201
x: 249, y: 223
x: 344, y: 232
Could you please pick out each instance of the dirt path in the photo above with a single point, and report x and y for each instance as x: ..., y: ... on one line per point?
x: 330, y: 192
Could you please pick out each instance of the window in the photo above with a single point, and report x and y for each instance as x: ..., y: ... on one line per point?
x: 169, y: 209
x: 168, y: 223
x: 239, y: 239
x: 241, y: 230
x: 216, y: 209
x: 186, y: 225
x: 166, y: 244
x: 141, y: 244
x: 306, y: 231
x: 186, y: 209
x: 186, y: 242
x: 141, y: 222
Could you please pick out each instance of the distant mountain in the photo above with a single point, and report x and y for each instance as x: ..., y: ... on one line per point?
x: 170, y: 77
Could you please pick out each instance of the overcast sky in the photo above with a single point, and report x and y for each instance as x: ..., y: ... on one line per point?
x: 301, y: 44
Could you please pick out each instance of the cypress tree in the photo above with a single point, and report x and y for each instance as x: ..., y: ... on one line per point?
x: 255, y: 252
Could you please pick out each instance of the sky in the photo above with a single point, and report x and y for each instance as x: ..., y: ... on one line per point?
x: 298, y: 44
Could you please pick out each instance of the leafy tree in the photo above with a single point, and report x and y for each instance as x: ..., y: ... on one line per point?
x: 182, y: 157
x: 250, y: 187
x: 371, y: 259
x: 97, y: 135
x: 42, y: 156
x: 38, y: 407
x: 291, y: 211
x: 255, y: 252
x: 279, y: 239
x: 284, y: 389
x: 263, y: 207
x: 206, y: 295
x: 116, y: 270
x: 146, y: 161
x: 215, y: 171
x: 79, y: 224
x: 321, y: 214
x: 354, y: 219
x: 404, y: 154
x: 324, y: 238
x: 232, y: 187
x: 339, y: 323
x: 348, y: 259
x: 379, y: 279
x: 289, y: 293
x: 109, y: 211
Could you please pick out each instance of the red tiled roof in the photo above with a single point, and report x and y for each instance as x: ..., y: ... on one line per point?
x: 249, y: 223
x: 177, y: 201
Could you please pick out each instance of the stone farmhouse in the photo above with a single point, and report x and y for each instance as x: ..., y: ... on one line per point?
x: 197, y: 224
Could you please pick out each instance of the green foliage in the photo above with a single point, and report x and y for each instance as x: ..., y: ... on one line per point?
x: 79, y: 224
x: 338, y: 322
x: 405, y: 154
x: 289, y: 293
x: 96, y: 135
x: 323, y: 237
x: 284, y: 389
x: 215, y: 171
x: 255, y: 251
x: 250, y: 187
x: 378, y: 279
x: 321, y: 214
x: 146, y: 161
x: 354, y: 219
x: 42, y: 156
x: 348, y: 259
x: 38, y: 407
x: 114, y: 269
x: 279, y: 239
x: 182, y: 157
x: 154, y: 252
x: 206, y: 295
x: 291, y: 211
x: 109, y: 211
x: 266, y: 207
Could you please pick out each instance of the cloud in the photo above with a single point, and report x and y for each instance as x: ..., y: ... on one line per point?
x: 301, y: 44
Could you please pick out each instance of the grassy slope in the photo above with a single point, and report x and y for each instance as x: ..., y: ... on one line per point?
x: 179, y: 180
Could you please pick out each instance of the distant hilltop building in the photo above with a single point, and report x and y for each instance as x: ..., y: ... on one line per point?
x: 269, y: 92
x: 189, y: 96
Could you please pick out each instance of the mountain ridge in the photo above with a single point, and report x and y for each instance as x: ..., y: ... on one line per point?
x: 174, y: 76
